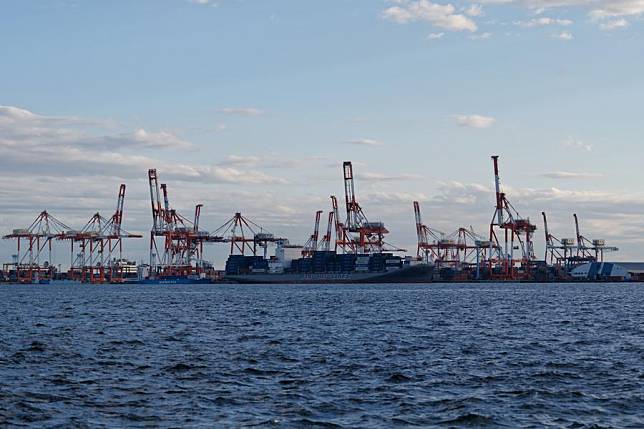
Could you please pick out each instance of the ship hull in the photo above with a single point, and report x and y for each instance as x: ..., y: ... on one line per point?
x: 414, y: 274
x: 173, y: 281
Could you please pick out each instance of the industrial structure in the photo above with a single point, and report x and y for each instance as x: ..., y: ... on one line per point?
x: 325, y: 244
x: 176, y: 242
x: 509, y: 232
x: 244, y: 236
x: 463, y: 250
x: 357, y: 234
x: 34, y: 244
x: 353, y: 246
x: 591, y: 250
x: 559, y: 252
x: 100, y: 247
x: 311, y: 244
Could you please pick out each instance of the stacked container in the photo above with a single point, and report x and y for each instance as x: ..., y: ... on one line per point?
x: 362, y: 263
x: 394, y: 263
x: 377, y: 262
x: 323, y: 261
x: 346, y: 263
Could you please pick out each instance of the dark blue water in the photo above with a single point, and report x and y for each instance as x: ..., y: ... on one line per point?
x: 328, y: 356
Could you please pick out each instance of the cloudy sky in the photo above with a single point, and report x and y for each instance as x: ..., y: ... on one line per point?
x: 252, y: 106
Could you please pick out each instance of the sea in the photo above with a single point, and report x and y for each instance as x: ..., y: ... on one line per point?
x: 327, y: 356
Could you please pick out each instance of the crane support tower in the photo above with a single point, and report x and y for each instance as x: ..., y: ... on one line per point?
x: 244, y: 236
x: 325, y: 244
x: 176, y: 242
x: 100, y: 247
x: 431, y: 242
x: 590, y: 250
x: 311, y: 244
x: 357, y: 234
x: 369, y: 236
x: 509, y: 232
x: 462, y: 249
x: 39, y: 238
x: 559, y: 252
x: 343, y: 238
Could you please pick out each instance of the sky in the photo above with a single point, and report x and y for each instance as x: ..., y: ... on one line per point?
x: 252, y: 106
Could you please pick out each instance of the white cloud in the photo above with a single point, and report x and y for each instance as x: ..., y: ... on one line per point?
x: 597, y: 9
x: 435, y: 36
x: 614, y: 24
x: 440, y: 15
x: 481, y: 36
x: 265, y: 161
x: 570, y: 175
x: 574, y: 143
x: 59, y: 146
x: 242, y: 111
x: 616, y: 8
x: 17, y: 115
x: 11, y: 113
x: 564, y: 35
x: 474, y: 121
x: 543, y: 21
x: 140, y: 138
x: 365, y: 142
x: 474, y: 10
x: 380, y: 177
x: 20, y: 127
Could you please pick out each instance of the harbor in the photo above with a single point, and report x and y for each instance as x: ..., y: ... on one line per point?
x: 351, y: 249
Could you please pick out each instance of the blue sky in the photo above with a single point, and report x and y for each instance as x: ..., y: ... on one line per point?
x: 253, y: 105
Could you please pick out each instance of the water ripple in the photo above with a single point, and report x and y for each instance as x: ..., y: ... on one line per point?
x: 323, y: 356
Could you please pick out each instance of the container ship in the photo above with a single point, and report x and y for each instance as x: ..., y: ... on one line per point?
x: 325, y: 267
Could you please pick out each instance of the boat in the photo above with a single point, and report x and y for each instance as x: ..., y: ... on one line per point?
x: 174, y: 280
x: 411, y: 274
x: 326, y: 267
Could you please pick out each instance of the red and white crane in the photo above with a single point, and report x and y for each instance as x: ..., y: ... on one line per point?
x: 100, y: 245
x: 515, y: 233
x: 343, y: 238
x: 179, y: 249
x: 244, y: 236
x: 460, y: 248
x: 325, y: 244
x: 429, y: 240
x: 559, y: 252
x: 590, y: 250
x: 368, y: 236
x: 39, y: 237
x: 311, y: 244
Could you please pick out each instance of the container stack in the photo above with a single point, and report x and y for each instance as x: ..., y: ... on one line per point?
x: 324, y: 261
x: 362, y: 263
x: 346, y: 263
x: 394, y: 263
x: 377, y: 261
x: 241, y: 264
x: 305, y: 265
x: 259, y: 265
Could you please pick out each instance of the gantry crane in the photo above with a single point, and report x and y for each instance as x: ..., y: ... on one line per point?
x: 459, y: 249
x: 311, y: 244
x: 590, y: 250
x: 429, y: 240
x: 182, y: 248
x: 244, y: 236
x: 559, y: 252
x: 100, y: 244
x: 517, y: 235
x: 325, y: 244
x: 39, y: 237
x: 369, y: 236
